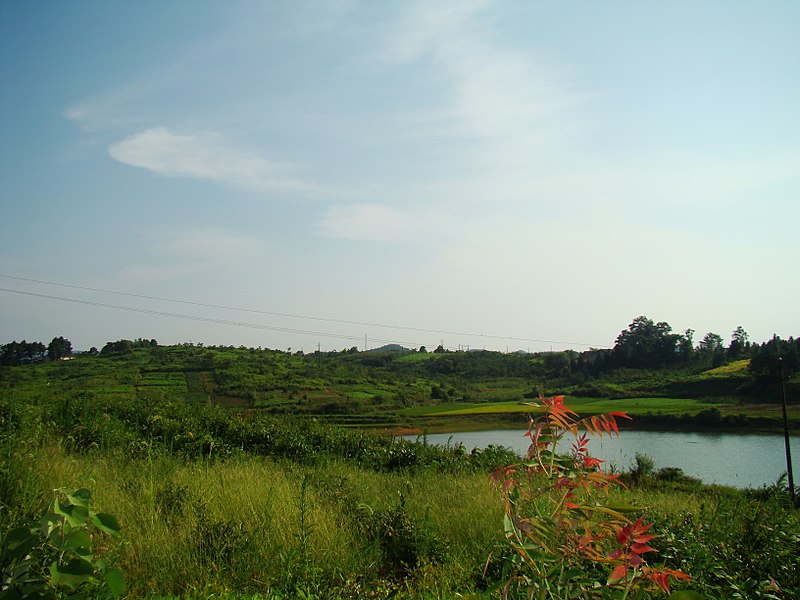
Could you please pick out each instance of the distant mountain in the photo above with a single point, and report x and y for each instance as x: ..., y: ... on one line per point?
x: 390, y: 348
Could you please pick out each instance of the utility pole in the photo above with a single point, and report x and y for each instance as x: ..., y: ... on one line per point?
x: 786, y: 437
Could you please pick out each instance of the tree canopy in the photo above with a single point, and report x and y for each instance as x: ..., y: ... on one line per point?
x: 646, y: 344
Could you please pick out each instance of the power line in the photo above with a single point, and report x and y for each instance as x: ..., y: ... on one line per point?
x: 201, y: 319
x: 296, y: 316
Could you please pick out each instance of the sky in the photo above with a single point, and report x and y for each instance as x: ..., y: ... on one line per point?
x: 502, y: 175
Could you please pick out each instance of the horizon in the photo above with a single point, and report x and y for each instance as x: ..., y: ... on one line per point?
x: 514, y: 176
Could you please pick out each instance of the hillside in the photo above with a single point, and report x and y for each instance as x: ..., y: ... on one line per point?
x: 388, y: 387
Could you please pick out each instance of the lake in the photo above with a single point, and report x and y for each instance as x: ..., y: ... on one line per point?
x: 734, y: 459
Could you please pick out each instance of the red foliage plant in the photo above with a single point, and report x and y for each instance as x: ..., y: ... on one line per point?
x: 561, y: 531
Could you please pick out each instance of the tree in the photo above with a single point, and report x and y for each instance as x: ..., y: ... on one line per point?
x: 765, y: 365
x: 116, y: 347
x: 18, y: 353
x: 646, y: 344
x: 686, y: 345
x: 712, y: 349
x: 739, y: 343
x: 59, y: 348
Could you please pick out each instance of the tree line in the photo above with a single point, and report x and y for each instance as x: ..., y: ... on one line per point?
x: 60, y: 348
x: 644, y: 344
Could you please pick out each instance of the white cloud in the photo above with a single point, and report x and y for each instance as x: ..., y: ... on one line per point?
x: 205, y: 156
x: 513, y: 101
x: 208, y: 244
x: 187, y: 252
x: 377, y: 222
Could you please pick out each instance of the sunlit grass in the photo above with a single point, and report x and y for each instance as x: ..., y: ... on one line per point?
x: 632, y: 406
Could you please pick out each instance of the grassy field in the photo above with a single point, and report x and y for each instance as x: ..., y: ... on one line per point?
x: 237, y: 504
x: 632, y: 406
x: 323, y: 527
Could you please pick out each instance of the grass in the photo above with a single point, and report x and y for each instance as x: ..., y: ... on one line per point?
x: 738, y: 367
x: 251, y: 524
x: 633, y: 406
x: 287, y: 508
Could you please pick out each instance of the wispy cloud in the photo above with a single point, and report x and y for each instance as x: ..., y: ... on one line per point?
x: 380, y: 223
x: 185, y: 252
x: 205, y: 156
x: 494, y: 92
x: 208, y: 244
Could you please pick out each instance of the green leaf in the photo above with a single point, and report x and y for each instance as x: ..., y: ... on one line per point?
x: 10, y: 593
x: 79, y: 542
x: 80, y: 497
x: 76, y: 515
x: 19, y: 543
x: 106, y: 522
x: 72, y: 574
x: 624, y: 507
x: 116, y: 581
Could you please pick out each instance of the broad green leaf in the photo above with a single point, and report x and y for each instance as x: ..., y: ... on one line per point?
x: 57, y: 508
x: 624, y: 507
x: 19, y: 543
x: 10, y: 594
x: 56, y: 538
x: 38, y: 591
x: 76, y: 515
x: 106, y: 522
x: 116, y: 581
x: 79, y: 542
x: 71, y: 574
x: 80, y: 497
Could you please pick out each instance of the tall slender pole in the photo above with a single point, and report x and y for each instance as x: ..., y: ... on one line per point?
x: 786, y: 438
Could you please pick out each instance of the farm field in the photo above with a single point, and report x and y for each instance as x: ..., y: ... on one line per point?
x: 632, y: 406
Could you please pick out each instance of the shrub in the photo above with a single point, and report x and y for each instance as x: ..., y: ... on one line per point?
x: 561, y: 533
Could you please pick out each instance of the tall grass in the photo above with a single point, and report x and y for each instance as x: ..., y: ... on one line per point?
x: 251, y: 523
x: 215, y: 505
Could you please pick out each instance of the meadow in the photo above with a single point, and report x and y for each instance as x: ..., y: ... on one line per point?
x: 215, y: 502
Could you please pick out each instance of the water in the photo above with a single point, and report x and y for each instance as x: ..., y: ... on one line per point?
x: 734, y: 459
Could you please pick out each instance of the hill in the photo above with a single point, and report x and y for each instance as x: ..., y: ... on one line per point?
x: 391, y: 386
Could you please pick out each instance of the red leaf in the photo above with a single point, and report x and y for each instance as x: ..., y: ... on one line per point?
x: 641, y: 548
x: 660, y: 579
x: 619, y: 572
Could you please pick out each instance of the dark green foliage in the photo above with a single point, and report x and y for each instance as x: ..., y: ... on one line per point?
x: 735, y: 547
x: 20, y: 353
x: 60, y: 554
x: 646, y: 344
x: 218, y: 543
x: 171, y: 500
x: 59, y: 348
x: 765, y: 363
x: 405, y: 541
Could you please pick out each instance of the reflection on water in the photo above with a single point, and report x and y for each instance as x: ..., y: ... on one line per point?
x: 739, y: 460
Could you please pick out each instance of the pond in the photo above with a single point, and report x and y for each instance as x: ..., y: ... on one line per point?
x: 734, y: 459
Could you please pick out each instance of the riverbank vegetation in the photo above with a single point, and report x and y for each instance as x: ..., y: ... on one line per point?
x: 230, y: 475
x: 214, y: 503
x: 660, y: 377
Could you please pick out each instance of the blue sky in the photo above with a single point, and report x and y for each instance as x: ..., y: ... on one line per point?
x: 508, y: 175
